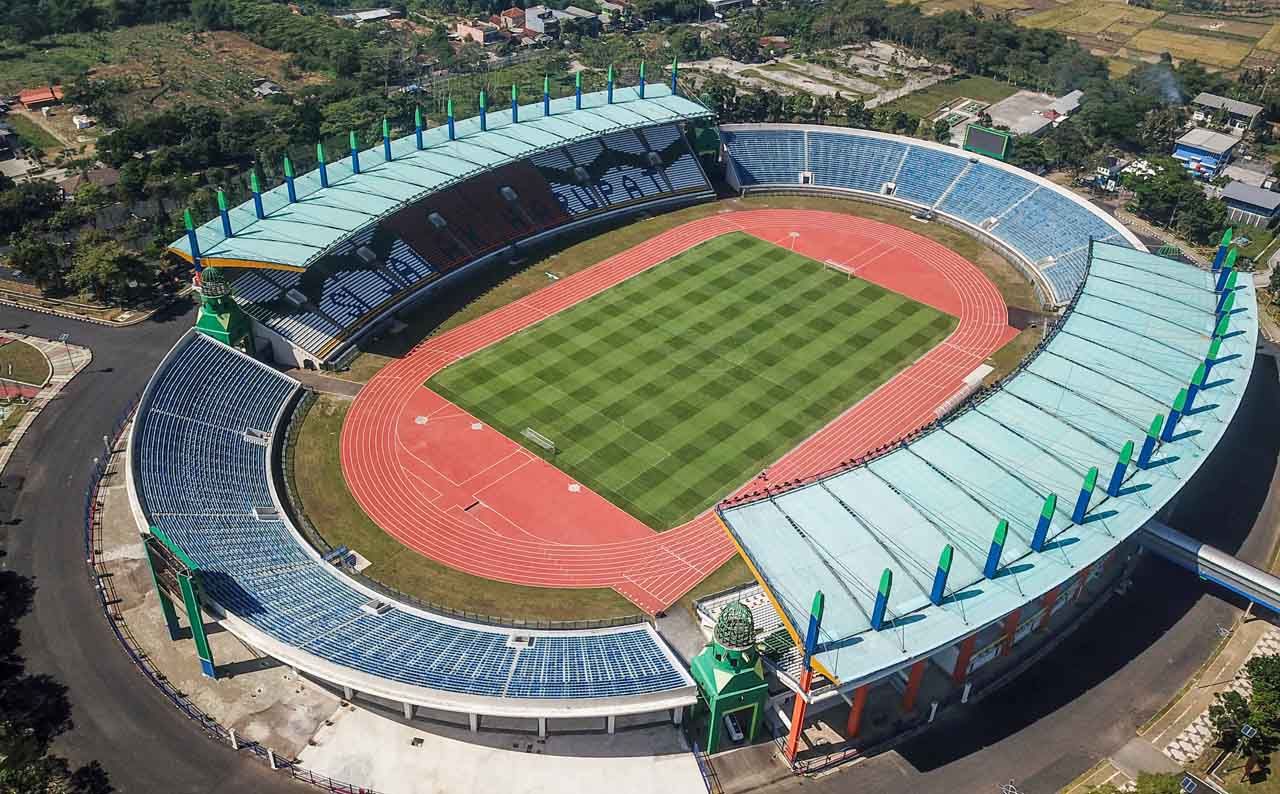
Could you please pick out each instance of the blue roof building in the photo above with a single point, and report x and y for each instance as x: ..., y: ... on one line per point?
x: 1204, y: 152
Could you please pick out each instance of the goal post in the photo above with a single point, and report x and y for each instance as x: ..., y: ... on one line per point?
x: 539, y: 439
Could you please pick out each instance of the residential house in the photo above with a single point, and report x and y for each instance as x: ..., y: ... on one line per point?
x: 1204, y: 152
x: 1239, y: 116
x: 1250, y: 205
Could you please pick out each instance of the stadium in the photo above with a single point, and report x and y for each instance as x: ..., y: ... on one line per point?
x: 805, y: 389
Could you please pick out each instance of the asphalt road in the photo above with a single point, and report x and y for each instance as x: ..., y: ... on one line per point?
x: 144, y: 743
x: 1080, y: 704
x: 1085, y: 700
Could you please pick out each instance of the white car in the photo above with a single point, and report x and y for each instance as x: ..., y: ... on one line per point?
x: 734, y: 728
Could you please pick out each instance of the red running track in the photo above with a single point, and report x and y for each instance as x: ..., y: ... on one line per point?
x: 461, y: 493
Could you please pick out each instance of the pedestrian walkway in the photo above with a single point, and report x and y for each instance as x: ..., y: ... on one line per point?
x: 325, y: 384
x: 65, y: 362
x: 1187, y: 746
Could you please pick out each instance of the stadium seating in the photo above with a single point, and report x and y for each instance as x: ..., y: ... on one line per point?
x: 854, y: 161
x: 202, y: 469
x: 926, y: 174
x: 1049, y: 229
x: 619, y: 170
x: 773, y: 157
x: 464, y: 222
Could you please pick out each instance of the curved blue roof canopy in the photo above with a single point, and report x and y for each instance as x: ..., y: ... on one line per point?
x: 293, y: 235
x: 1133, y: 339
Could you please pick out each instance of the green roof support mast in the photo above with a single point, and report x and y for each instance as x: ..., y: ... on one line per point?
x: 175, y: 575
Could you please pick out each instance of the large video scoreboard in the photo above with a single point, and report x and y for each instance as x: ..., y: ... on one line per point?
x: 983, y: 140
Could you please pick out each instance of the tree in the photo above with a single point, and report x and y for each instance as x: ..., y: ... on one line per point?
x: 1230, y: 713
x: 857, y: 115
x: 38, y: 259
x: 1160, y: 128
x: 26, y: 203
x: 106, y: 269
x: 941, y: 131
x: 34, y: 710
x: 211, y: 14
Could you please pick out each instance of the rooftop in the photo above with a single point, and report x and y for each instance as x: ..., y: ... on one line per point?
x: 1067, y: 104
x: 1248, y: 194
x: 292, y: 236
x: 42, y: 95
x: 1232, y: 105
x: 1134, y: 337
x: 1208, y: 140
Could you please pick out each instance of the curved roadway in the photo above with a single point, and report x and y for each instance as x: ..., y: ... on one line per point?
x: 1080, y: 704
x: 144, y: 743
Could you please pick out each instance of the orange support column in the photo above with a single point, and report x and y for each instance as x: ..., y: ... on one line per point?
x: 797, y: 716
x: 963, y: 655
x: 855, y: 711
x: 913, y: 685
x: 1010, y: 626
x: 1050, y: 598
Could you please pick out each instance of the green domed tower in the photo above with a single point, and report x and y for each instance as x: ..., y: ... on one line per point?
x: 730, y: 675
x: 220, y: 316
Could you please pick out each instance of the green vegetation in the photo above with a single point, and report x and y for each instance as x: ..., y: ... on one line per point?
x: 21, y: 362
x: 34, y: 711
x: 328, y: 504
x: 1173, y: 199
x: 673, y: 387
x: 983, y: 89
x: 1260, y: 242
x: 14, y: 413
x: 1146, y: 784
x: 1232, y: 711
x: 32, y: 135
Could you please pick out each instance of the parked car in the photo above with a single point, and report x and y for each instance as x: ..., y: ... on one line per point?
x: 734, y: 728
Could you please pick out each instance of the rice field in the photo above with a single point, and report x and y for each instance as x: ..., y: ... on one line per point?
x: 1210, y: 50
x: 1271, y: 41
x: 1088, y: 17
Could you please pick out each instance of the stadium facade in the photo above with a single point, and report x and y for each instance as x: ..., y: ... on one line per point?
x: 939, y: 554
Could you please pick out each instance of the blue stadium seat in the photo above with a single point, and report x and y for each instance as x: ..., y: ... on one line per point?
x: 854, y: 162
x: 774, y: 157
x: 201, y: 475
x: 1050, y: 230
x: 926, y: 174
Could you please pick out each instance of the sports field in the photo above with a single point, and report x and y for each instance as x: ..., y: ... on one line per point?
x: 670, y: 389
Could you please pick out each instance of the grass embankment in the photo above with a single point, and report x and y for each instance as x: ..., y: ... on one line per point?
x: 926, y: 101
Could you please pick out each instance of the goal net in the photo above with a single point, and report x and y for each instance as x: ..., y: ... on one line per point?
x: 539, y: 439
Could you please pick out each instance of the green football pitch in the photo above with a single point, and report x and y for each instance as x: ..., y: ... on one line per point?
x: 676, y: 386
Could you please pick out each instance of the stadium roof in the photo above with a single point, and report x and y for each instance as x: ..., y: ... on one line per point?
x: 1139, y: 329
x: 291, y: 236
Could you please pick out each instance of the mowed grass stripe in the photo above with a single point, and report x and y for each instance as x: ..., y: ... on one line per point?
x: 669, y: 390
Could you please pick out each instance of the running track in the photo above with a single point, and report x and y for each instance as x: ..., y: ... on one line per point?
x: 465, y: 495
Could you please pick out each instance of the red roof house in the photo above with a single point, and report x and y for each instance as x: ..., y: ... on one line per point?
x: 33, y: 98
